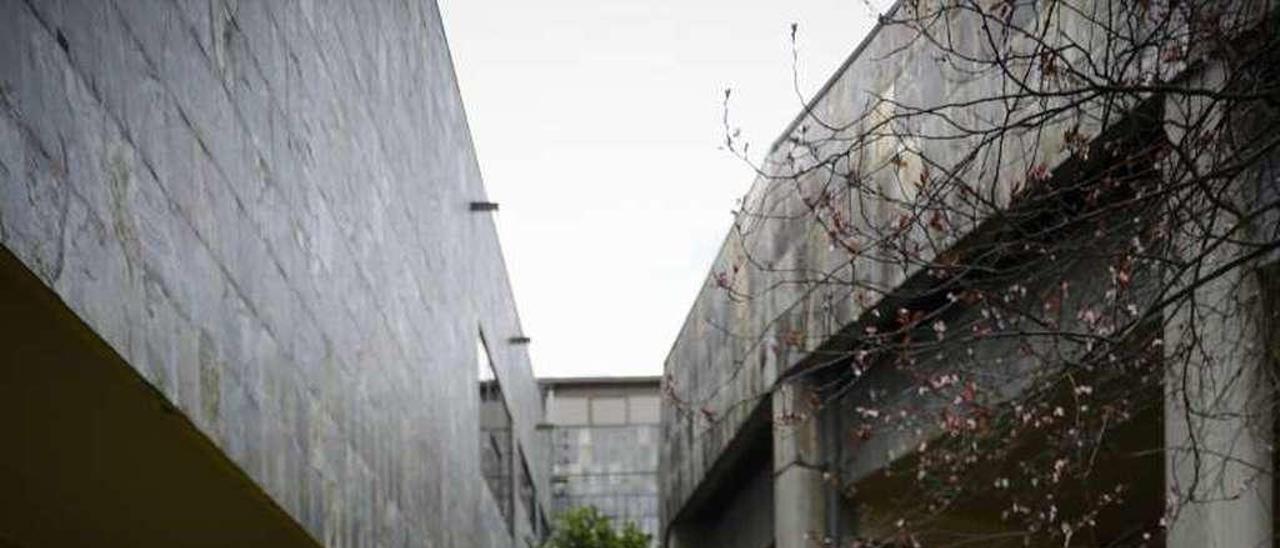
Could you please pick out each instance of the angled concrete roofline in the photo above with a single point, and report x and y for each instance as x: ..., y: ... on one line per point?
x: 831, y: 80
x: 790, y: 128
x: 578, y: 381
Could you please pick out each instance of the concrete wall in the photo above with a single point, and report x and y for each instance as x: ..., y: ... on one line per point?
x: 263, y: 207
x: 752, y: 326
x: 734, y: 345
x: 742, y: 515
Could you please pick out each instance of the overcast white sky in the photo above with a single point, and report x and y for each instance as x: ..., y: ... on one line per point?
x: 597, y: 124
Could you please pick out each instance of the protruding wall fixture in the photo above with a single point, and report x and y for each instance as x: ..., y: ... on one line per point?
x: 484, y: 206
x: 519, y: 340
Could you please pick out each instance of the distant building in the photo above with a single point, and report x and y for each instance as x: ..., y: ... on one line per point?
x: 604, y: 445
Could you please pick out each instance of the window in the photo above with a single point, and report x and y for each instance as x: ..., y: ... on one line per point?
x: 584, y: 410
x: 608, y: 410
x: 567, y: 410
x: 495, y: 433
x: 644, y: 409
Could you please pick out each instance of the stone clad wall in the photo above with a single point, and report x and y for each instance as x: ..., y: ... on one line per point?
x: 263, y: 207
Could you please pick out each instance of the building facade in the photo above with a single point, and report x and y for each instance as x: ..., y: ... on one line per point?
x: 252, y: 291
x: 604, y: 447
x: 786, y: 424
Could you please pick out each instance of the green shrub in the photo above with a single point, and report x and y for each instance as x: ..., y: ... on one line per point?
x: 586, y: 527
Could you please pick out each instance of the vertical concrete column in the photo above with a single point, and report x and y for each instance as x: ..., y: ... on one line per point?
x: 798, y: 489
x: 1218, y: 421
x: 1218, y: 395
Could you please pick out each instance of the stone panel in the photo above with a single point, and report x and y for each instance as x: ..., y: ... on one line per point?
x: 263, y: 207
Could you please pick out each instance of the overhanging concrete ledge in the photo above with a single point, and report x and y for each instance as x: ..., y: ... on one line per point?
x: 94, y: 456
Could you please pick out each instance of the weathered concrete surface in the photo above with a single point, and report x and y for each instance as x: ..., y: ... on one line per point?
x: 769, y: 321
x: 1219, y: 456
x: 1219, y: 423
x: 732, y: 350
x: 263, y: 207
x: 799, y: 506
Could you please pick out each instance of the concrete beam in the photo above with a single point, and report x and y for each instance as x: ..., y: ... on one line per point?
x: 94, y: 454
